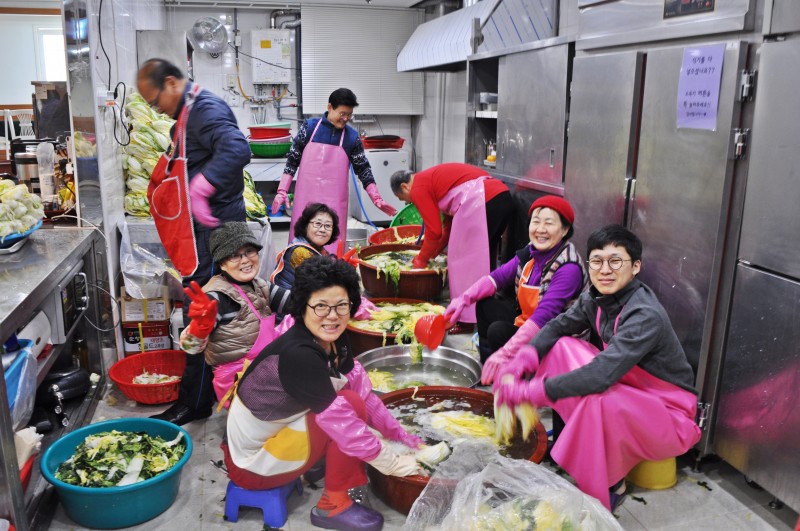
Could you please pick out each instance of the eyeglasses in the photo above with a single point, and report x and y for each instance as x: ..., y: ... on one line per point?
x: 324, y: 226
x: 324, y: 310
x: 615, y: 263
x: 154, y: 102
x: 345, y: 115
x: 236, y: 258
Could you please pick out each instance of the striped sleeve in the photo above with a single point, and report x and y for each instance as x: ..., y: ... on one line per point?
x: 278, y: 297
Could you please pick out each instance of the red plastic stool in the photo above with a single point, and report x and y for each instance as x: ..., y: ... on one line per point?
x: 271, y: 501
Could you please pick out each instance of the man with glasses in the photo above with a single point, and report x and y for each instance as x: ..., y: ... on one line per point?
x: 626, y: 395
x: 216, y: 153
x: 320, y: 158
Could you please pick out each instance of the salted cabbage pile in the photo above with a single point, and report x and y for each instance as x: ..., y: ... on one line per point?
x: 19, y: 209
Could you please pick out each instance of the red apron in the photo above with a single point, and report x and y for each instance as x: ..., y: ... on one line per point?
x: 168, y: 194
x: 527, y: 296
x: 322, y: 178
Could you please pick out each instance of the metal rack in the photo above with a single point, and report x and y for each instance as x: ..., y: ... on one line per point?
x: 36, y: 271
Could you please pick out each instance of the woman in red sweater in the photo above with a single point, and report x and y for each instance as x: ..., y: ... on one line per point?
x: 477, y: 208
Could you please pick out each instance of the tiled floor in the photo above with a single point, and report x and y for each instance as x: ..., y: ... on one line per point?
x: 717, y: 498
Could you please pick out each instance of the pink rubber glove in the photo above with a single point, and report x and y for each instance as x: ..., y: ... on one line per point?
x: 365, y: 309
x: 508, y: 352
x: 484, y: 287
x: 282, y: 197
x: 351, y: 434
x: 285, y: 324
x: 526, y: 361
x: 512, y: 392
x: 199, y: 192
x: 377, y: 200
x: 378, y: 415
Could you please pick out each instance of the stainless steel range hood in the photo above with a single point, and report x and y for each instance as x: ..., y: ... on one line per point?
x: 443, y: 44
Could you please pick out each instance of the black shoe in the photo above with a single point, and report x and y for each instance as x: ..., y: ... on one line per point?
x: 180, y: 414
x: 617, y: 495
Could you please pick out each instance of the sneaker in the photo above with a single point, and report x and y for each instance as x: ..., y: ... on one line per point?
x: 616, y: 495
x: 354, y: 518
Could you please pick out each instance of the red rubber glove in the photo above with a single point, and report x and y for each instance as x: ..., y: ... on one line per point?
x: 526, y: 361
x: 377, y: 200
x: 202, y: 312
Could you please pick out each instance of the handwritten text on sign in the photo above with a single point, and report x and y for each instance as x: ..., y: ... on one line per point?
x: 698, y: 87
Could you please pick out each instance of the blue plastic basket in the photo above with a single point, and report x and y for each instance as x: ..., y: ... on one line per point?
x: 115, y: 507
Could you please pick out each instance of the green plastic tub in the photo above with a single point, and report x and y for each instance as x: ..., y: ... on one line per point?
x: 115, y: 507
x: 270, y: 150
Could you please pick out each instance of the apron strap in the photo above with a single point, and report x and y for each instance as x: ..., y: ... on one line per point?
x: 180, y: 127
x: 341, y: 140
x: 230, y: 393
x: 597, y: 325
x: 249, y: 302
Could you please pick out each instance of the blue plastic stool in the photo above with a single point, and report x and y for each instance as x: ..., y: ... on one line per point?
x: 271, y: 501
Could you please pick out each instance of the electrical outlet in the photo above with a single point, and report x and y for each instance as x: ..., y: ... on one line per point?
x: 231, y: 80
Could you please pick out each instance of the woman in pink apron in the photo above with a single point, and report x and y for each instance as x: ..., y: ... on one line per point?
x: 631, y: 401
x: 233, y: 316
x: 476, y: 208
x: 321, y: 162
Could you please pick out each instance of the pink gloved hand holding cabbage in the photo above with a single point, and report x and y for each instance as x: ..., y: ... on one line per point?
x: 511, y: 391
x: 508, y: 352
x: 200, y: 190
x: 377, y: 200
x: 526, y: 361
x: 365, y: 309
x: 484, y: 287
x: 282, y: 196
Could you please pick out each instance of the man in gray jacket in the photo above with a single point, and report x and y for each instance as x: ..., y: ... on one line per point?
x: 627, y: 394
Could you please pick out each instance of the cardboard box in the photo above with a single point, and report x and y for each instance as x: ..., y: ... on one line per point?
x: 146, y: 310
x: 144, y: 337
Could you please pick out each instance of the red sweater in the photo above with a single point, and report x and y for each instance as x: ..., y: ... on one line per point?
x: 430, y: 186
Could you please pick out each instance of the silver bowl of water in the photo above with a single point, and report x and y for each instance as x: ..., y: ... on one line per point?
x: 443, y: 366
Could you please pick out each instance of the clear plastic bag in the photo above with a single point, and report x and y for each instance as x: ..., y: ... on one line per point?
x: 477, y: 489
x: 144, y: 271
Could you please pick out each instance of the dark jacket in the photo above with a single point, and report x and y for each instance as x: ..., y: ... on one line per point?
x: 644, y: 337
x: 217, y: 148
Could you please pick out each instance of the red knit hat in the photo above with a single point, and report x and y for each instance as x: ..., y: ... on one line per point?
x: 559, y: 204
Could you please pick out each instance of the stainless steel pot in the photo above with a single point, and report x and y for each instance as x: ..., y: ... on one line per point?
x: 443, y: 366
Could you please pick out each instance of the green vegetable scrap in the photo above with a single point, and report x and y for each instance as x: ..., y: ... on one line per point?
x: 115, y: 458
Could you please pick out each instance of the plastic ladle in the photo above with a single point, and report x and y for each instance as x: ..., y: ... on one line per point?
x: 430, y: 330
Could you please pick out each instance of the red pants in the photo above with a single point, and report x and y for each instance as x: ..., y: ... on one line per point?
x: 342, y: 472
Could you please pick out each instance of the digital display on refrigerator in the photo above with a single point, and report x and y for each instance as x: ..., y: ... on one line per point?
x: 682, y: 8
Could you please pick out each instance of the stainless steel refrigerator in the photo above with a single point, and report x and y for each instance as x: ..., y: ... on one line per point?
x: 757, y: 424
x: 629, y: 163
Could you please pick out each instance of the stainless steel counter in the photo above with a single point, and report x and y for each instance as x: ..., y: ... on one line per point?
x: 30, y: 274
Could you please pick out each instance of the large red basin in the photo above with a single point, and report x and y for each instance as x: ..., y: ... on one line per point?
x: 364, y: 340
x: 391, y: 234
x: 400, y: 493
x: 422, y: 284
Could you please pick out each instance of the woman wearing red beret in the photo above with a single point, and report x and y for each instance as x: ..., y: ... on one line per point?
x: 548, y: 274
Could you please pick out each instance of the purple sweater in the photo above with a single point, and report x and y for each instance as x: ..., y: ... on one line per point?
x: 566, y: 284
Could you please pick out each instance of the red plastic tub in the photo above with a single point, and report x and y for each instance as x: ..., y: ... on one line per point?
x: 364, y: 340
x: 383, y: 142
x: 262, y: 132
x: 169, y: 362
x: 392, y: 234
x: 421, y: 284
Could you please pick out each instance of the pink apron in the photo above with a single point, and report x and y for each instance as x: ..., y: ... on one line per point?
x: 468, y: 246
x: 225, y: 374
x: 639, y: 418
x: 322, y: 178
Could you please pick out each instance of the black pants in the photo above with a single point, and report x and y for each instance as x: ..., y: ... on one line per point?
x: 499, y: 213
x: 196, y: 390
x: 495, y: 323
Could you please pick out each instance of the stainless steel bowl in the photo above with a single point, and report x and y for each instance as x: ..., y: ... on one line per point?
x: 443, y: 366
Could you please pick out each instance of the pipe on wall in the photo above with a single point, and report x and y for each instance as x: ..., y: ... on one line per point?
x: 273, y: 16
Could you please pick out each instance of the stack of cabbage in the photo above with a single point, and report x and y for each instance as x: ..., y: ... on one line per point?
x: 19, y: 209
x: 253, y: 203
x: 149, y: 139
